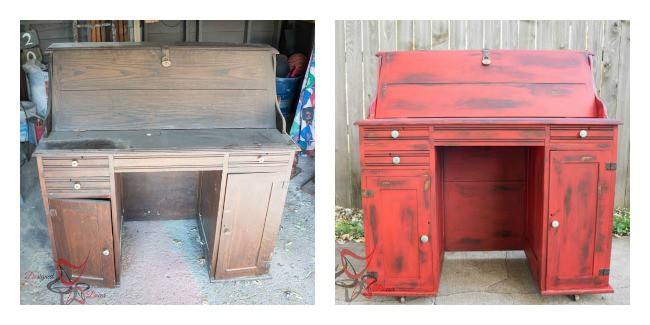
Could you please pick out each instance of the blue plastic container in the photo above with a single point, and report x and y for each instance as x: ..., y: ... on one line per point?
x: 286, y: 89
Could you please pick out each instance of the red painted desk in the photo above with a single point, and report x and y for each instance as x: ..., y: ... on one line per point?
x: 483, y: 151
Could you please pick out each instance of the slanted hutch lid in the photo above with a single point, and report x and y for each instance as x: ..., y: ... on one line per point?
x: 486, y: 84
x: 134, y: 86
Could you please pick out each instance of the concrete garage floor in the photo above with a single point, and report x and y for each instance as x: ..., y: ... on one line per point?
x: 163, y: 260
x: 496, y: 278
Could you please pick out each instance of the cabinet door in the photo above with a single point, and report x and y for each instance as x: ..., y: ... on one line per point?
x: 84, y: 241
x: 398, y: 217
x: 251, y: 219
x: 580, y: 220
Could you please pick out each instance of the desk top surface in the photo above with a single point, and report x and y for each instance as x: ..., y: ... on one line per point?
x: 119, y: 142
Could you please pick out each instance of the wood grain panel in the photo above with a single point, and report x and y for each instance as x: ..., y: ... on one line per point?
x: 142, y: 69
x: 82, y: 231
x: 341, y: 153
x: 246, y: 229
x: 209, y: 203
x: 160, y: 195
x: 163, y: 109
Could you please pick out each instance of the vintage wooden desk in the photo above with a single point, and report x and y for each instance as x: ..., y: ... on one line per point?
x: 482, y: 151
x: 156, y: 131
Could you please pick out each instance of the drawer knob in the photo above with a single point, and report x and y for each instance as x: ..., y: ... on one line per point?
x: 105, y: 252
x: 583, y: 133
x: 394, y: 134
x: 74, y: 163
x: 395, y: 160
x: 77, y: 186
x: 424, y: 238
x: 555, y: 224
x: 227, y: 232
x: 260, y: 159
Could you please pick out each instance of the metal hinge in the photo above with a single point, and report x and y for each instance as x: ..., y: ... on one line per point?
x: 610, y: 166
x: 52, y: 212
x: 367, y: 194
x: 603, y: 272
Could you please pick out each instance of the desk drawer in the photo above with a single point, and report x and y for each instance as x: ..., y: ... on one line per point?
x: 75, y: 167
x: 396, y: 159
x: 171, y: 162
x: 84, y: 185
x: 259, y: 161
x: 489, y: 134
x: 396, y: 144
x: 75, y: 162
x: 397, y: 132
x: 577, y: 132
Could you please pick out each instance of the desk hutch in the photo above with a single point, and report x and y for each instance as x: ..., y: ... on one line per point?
x: 149, y: 130
x: 484, y: 151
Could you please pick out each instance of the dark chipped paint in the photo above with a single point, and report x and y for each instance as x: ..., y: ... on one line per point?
x: 567, y: 202
x: 503, y: 234
x: 551, y: 62
x: 373, y: 223
x: 408, y: 217
x: 470, y: 241
x: 391, y: 183
x: 398, y: 263
x: 84, y: 144
x: 490, y: 103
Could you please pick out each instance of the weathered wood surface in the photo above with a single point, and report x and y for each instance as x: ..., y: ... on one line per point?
x: 116, y: 142
x: 609, y: 40
x: 120, y: 86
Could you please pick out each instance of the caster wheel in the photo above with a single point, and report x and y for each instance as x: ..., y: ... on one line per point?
x: 402, y: 300
x: 576, y: 297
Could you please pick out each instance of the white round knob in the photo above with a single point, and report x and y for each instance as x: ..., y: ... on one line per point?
x: 394, y: 134
x: 74, y: 163
x: 424, y: 238
x: 583, y: 133
x: 396, y: 160
x: 555, y: 224
x: 260, y: 159
x: 77, y: 186
x: 106, y: 252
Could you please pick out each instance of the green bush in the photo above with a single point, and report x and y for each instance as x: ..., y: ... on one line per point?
x: 621, y: 222
x: 349, y: 224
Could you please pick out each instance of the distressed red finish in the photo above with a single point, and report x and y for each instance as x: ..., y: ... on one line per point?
x: 461, y: 156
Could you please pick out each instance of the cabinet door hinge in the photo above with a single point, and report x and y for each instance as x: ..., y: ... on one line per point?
x: 52, y: 212
x: 610, y: 166
x: 367, y: 194
x: 603, y: 272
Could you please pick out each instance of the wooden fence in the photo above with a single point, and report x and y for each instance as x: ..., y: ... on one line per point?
x: 356, y: 73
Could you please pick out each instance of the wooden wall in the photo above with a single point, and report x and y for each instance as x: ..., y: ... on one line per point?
x: 356, y: 73
x: 228, y: 31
